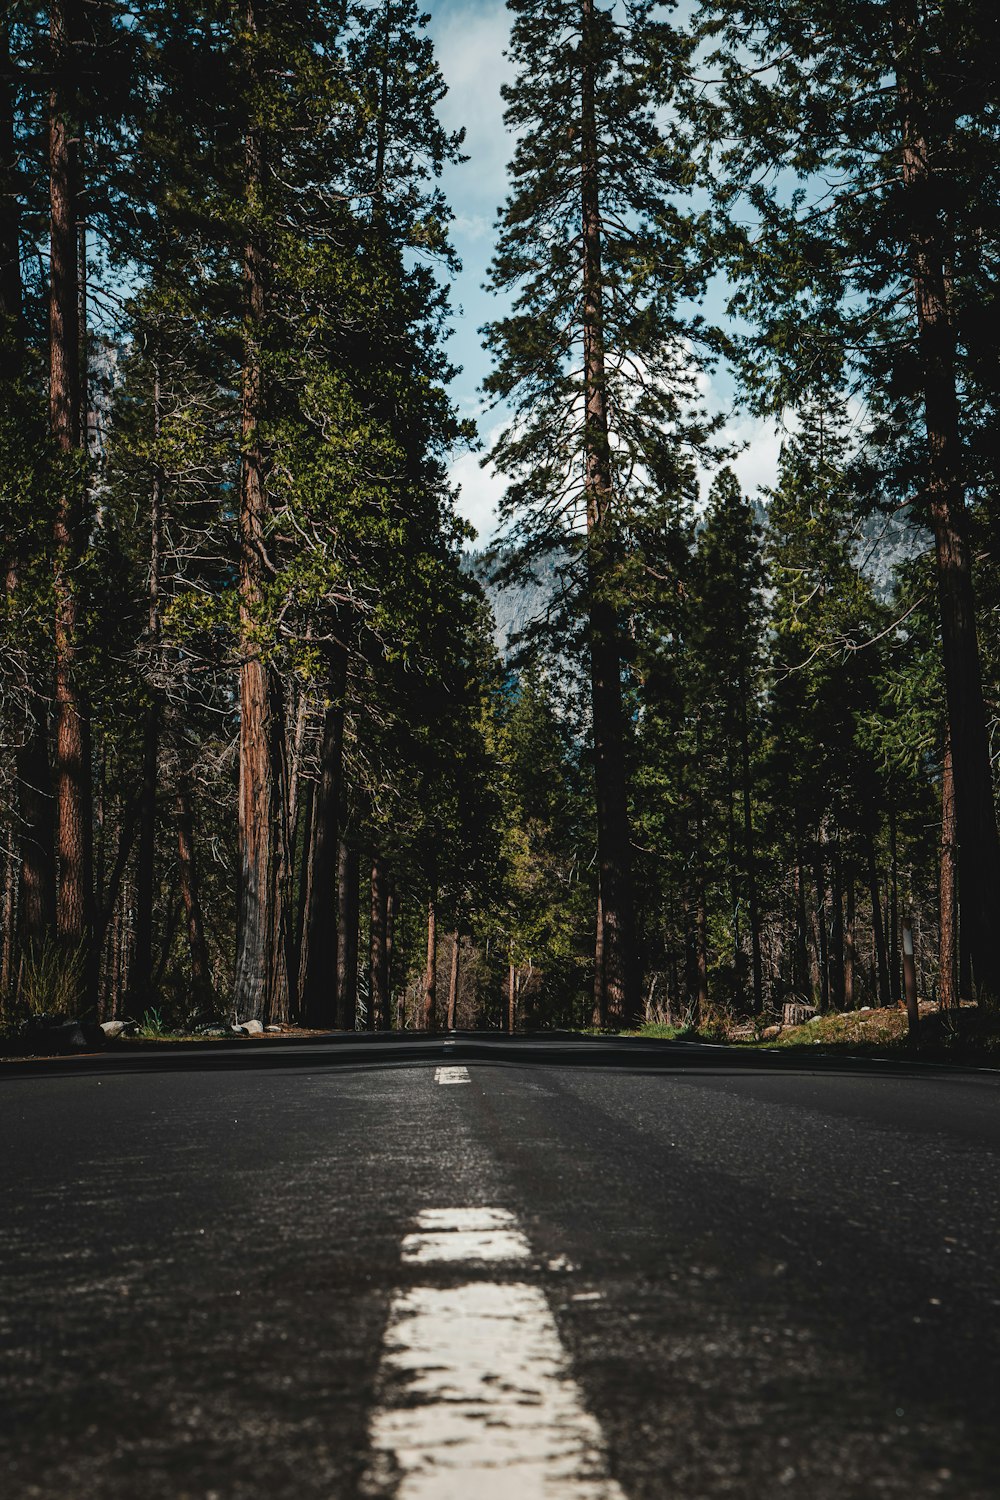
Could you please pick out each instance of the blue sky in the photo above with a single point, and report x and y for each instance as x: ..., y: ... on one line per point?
x: 470, y: 37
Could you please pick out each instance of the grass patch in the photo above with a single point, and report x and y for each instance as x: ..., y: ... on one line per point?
x: 968, y: 1035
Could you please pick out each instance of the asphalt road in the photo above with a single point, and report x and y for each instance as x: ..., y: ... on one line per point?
x: 578, y: 1272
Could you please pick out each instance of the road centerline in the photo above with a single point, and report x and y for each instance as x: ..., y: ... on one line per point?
x: 455, y: 1074
x: 475, y: 1394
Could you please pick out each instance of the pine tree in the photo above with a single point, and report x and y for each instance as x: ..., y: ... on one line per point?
x: 727, y: 645
x: 594, y: 357
x: 876, y: 280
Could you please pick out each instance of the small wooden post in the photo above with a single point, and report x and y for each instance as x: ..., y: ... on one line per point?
x: 910, y: 979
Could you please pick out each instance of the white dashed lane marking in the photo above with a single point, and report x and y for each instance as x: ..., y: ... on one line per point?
x: 451, y: 1075
x: 464, y: 1235
x: 475, y: 1395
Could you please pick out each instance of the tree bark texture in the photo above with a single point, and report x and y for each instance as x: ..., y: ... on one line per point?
x: 822, y: 938
x: 978, y: 847
x: 456, y: 953
x: 201, y: 976
x: 613, y: 832
x: 750, y: 858
x: 262, y: 947
x: 141, y: 971
x: 348, y: 873
x: 378, y: 968
x: 34, y: 903
x: 892, y: 936
x: 391, y: 912
x: 430, y: 970
x: 850, y: 940
x: 318, y: 958
x: 878, y: 929
x: 948, y: 942
x: 600, y: 1015
x: 74, y: 829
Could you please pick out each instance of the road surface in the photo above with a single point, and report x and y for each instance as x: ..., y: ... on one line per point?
x: 542, y: 1271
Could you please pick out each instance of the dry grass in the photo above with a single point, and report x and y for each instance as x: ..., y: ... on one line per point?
x: 969, y: 1035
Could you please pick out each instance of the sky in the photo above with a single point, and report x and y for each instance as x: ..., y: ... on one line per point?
x: 470, y: 37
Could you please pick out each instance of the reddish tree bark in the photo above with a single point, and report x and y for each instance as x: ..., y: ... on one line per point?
x: 262, y: 948
x: 74, y: 828
x: 456, y: 946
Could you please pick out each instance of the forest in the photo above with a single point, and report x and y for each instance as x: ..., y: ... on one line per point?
x: 266, y: 755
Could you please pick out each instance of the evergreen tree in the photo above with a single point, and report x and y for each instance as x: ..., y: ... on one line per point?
x: 595, y: 357
x: 860, y: 138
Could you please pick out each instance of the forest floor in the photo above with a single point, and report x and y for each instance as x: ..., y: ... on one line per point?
x: 969, y: 1035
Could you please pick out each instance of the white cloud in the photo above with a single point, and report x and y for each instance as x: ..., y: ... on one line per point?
x: 470, y: 41
x: 480, y: 490
x: 756, y: 466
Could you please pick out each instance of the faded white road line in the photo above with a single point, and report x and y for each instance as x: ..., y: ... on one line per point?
x: 451, y: 1075
x: 475, y: 1398
x: 463, y: 1235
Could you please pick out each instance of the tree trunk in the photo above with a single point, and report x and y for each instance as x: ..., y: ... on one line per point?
x: 837, y: 944
x: 141, y: 969
x: 701, y: 952
x: 262, y: 978
x: 613, y: 833
x: 456, y: 944
x: 802, y: 978
x: 430, y: 970
x: 947, y: 952
x: 74, y: 835
x: 391, y: 909
x: 201, y: 977
x: 35, y: 902
x: 348, y: 874
x: 701, y: 912
x: 378, y: 988
x: 9, y: 928
x: 11, y: 289
x: 511, y: 1000
x: 878, y: 931
x: 318, y: 959
x: 750, y: 857
x: 822, y: 941
x: 303, y: 833
x: 600, y: 1016
x: 850, y: 942
x: 895, y: 972
x: 977, y: 843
